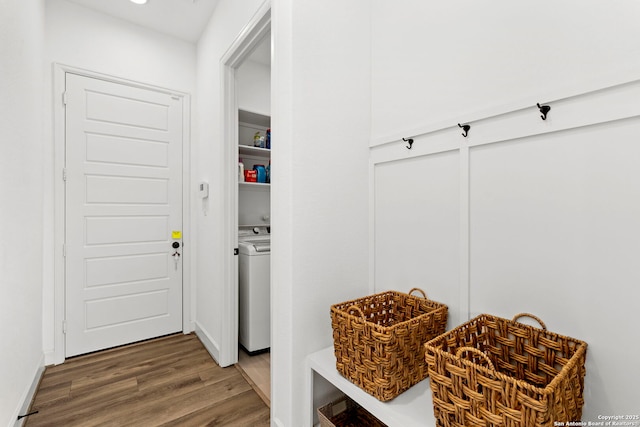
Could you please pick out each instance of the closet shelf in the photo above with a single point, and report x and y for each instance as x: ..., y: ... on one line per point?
x: 254, y: 151
x: 255, y: 184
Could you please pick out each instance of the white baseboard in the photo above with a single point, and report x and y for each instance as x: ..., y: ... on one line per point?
x: 27, y: 395
x: 51, y: 358
x: 192, y: 327
x: 208, y: 342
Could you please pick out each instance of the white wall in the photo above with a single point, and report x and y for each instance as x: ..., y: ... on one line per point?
x: 543, y: 221
x: 441, y: 61
x: 326, y: 206
x: 81, y: 38
x: 321, y: 124
x: 227, y: 21
x: 253, y: 81
x: 21, y: 206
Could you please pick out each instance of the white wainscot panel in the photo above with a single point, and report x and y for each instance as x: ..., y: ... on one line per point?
x: 119, y: 310
x: 122, y: 110
x: 555, y: 231
x: 126, y: 229
x: 123, y: 269
x: 417, y: 224
x: 114, y: 189
x: 126, y: 151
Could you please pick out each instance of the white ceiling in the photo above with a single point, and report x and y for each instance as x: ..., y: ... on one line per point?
x: 184, y: 19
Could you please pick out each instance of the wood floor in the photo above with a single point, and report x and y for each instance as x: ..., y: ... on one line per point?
x: 170, y: 381
x: 257, y: 370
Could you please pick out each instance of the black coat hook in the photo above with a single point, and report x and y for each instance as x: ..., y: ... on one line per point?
x: 410, y: 141
x: 465, y: 128
x: 544, y: 109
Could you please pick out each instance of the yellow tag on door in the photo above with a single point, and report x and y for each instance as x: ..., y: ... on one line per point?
x: 176, y: 234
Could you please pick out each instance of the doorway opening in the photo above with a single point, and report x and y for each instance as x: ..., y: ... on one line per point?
x: 246, y: 68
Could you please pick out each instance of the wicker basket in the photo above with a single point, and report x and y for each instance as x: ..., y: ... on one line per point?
x: 379, y: 340
x: 498, y: 372
x: 344, y: 412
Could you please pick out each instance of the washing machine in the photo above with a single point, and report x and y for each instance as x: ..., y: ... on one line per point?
x: 254, y: 281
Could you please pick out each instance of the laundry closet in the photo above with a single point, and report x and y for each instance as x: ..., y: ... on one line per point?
x: 254, y: 215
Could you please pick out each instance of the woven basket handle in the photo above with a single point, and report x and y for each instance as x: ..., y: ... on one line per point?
x: 477, y: 352
x: 356, y: 308
x: 424, y: 295
x: 536, y: 318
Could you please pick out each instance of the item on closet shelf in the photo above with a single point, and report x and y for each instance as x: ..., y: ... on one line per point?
x: 250, y: 176
x: 536, y: 377
x: 268, y: 141
x: 258, y: 140
x: 269, y: 172
x: 344, y: 412
x: 395, y: 324
x: 261, y: 172
x: 240, y: 170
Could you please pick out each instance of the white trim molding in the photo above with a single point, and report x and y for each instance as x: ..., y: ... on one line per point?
x: 582, y: 88
x: 209, y: 343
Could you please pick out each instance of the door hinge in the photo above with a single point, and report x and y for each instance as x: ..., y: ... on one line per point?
x: 64, y: 326
x: 64, y: 98
x: 64, y: 174
x: 236, y: 251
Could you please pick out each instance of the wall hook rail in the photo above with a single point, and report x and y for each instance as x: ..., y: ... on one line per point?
x: 465, y: 128
x: 410, y: 141
x: 544, y: 109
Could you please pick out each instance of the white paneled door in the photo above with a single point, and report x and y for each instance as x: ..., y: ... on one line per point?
x: 123, y: 214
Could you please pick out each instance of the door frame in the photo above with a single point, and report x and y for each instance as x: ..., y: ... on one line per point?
x: 244, y: 44
x: 59, y: 138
